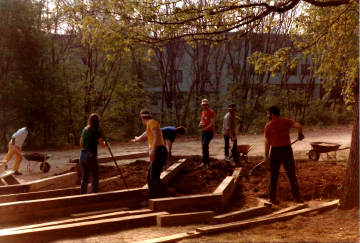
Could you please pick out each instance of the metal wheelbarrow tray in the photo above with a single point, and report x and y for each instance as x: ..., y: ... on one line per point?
x: 242, y: 151
x: 323, y: 147
x: 37, y: 157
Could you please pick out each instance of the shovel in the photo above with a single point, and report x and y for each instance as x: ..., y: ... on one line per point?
x: 107, y: 145
x: 256, y: 166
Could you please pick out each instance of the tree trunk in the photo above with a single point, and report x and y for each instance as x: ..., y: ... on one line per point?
x: 350, y: 197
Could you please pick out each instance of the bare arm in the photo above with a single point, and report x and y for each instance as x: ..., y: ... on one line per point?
x: 13, y: 141
x: 169, y: 143
x: 300, y: 131
x: 267, y: 147
x: 142, y: 137
x: 212, y: 123
x: 101, y: 142
x: 81, y: 142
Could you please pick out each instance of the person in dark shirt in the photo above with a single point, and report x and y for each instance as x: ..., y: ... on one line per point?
x: 89, y: 141
x: 170, y: 134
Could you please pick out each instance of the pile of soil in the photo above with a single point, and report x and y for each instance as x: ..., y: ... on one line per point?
x: 317, y: 180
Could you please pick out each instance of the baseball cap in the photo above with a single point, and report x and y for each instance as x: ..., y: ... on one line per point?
x: 204, y: 102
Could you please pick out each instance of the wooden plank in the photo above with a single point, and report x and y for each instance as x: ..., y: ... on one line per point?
x: 263, y: 202
x: 185, y: 218
x: 118, y: 157
x: 2, y: 183
x: 92, y: 213
x: 39, y: 195
x: 236, y: 174
x: 12, y: 189
x: 58, y: 232
x: 63, y: 206
x: 78, y: 220
x: 11, y: 180
x: 227, y: 189
x: 171, y: 172
x: 289, y: 209
x: 206, y: 202
x: 262, y: 220
x: 6, y: 173
x: 173, y: 238
x: 55, y: 182
x: 242, y: 214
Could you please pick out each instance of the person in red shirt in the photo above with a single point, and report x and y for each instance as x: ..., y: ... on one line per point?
x: 277, y: 135
x: 207, y: 126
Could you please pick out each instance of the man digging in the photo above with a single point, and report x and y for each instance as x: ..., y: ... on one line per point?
x: 229, y: 125
x: 158, y: 154
x: 277, y: 135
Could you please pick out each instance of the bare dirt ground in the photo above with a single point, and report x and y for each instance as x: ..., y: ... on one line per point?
x: 319, y: 182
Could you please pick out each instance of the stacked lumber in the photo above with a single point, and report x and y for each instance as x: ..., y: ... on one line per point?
x: 64, y: 206
x: 242, y: 214
x: 79, y: 229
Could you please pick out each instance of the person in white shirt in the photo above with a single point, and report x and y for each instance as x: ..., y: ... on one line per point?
x: 15, y: 144
x: 229, y: 125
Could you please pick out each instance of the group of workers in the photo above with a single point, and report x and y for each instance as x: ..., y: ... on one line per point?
x: 277, y: 136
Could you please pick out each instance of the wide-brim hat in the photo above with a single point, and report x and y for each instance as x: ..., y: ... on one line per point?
x: 204, y: 102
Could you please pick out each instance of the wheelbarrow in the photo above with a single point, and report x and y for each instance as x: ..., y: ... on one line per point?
x: 37, y: 158
x: 241, y: 152
x: 319, y: 148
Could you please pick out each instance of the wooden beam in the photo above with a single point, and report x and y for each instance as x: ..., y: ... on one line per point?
x: 263, y: 202
x: 92, y: 213
x: 236, y: 174
x: 289, y: 209
x: 64, y: 206
x: 242, y: 214
x: 118, y: 157
x: 226, y: 188
x: 11, y: 180
x: 172, y: 171
x: 51, y: 193
x: 58, y: 232
x: 55, y: 182
x: 6, y: 174
x: 211, y: 202
x: 262, y: 220
x: 78, y: 220
x: 12, y: 189
x: 185, y: 218
x: 173, y: 238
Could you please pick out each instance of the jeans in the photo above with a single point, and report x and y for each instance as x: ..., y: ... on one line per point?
x: 206, y: 139
x: 282, y: 154
x: 233, y: 150
x: 89, y: 166
x: 156, y: 187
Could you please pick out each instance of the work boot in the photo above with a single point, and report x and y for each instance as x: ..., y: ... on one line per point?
x: 228, y: 158
x: 17, y: 173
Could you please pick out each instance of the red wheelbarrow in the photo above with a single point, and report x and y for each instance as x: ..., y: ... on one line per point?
x: 323, y: 147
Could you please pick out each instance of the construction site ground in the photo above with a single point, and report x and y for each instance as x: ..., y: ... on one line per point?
x: 319, y: 182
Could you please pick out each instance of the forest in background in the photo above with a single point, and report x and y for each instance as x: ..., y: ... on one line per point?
x: 59, y: 63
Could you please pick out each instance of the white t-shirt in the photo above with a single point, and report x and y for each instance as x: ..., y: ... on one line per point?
x: 20, y: 136
x: 229, y: 123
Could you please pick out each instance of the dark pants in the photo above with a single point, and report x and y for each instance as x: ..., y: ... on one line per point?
x: 282, y: 154
x: 233, y: 150
x: 206, y: 138
x: 89, y: 166
x: 156, y: 187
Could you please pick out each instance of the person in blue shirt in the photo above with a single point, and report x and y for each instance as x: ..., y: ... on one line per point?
x: 169, y: 135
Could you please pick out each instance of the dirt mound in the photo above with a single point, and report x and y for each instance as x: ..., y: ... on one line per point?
x: 317, y: 180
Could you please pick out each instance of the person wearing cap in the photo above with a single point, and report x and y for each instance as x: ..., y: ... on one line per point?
x: 277, y: 136
x: 207, y: 126
x: 229, y: 125
x: 15, y: 144
x: 158, y: 154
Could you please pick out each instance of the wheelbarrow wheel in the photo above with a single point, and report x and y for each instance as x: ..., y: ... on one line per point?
x: 313, y: 155
x: 47, y: 167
